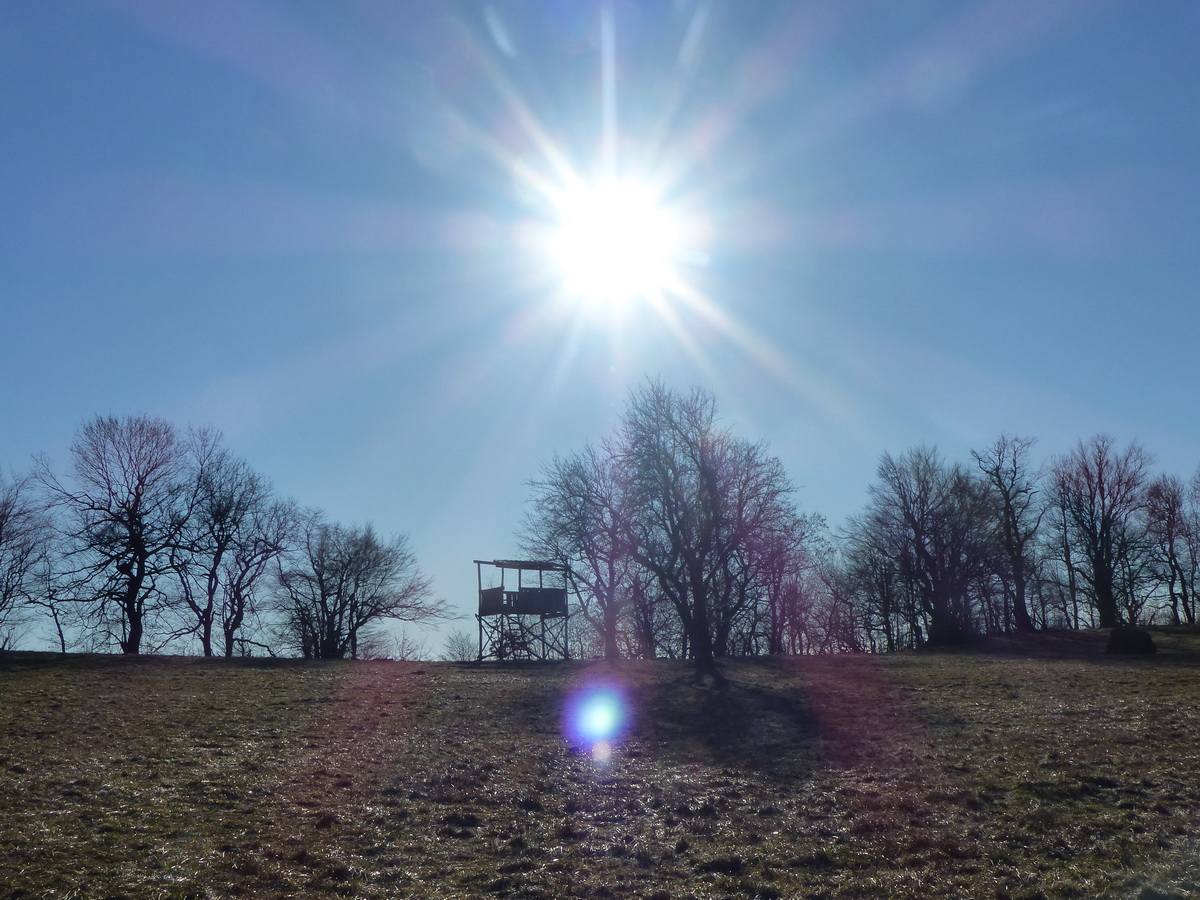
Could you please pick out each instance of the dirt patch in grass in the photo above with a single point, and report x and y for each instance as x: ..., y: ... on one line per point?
x: 1020, y: 768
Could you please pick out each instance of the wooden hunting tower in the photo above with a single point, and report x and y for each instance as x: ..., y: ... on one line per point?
x: 525, y: 620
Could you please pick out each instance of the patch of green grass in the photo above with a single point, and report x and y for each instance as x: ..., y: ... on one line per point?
x: 1021, y: 768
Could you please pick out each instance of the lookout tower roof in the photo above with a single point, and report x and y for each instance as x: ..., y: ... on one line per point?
x: 524, y: 565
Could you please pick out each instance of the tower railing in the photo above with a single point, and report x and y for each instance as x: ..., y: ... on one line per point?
x: 528, y: 621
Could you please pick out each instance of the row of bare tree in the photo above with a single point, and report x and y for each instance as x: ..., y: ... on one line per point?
x: 158, y: 538
x: 685, y: 541
x: 1091, y: 538
x: 683, y: 538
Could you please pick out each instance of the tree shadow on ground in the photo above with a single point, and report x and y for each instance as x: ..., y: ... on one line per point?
x: 1175, y: 644
x: 753, y: 715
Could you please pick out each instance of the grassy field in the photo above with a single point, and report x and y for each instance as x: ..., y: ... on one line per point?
x: 1038, y: 768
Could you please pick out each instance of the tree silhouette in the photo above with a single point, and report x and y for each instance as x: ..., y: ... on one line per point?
x: 580, y: 518
x: 676, y: 511
x: 341, y: 581
x: 1173, y: 526
x: 127, y: 502
x: 930, y: 521
x: 24, y: 545
x: 235, y: 531
x: 1014, y: 483
x: 1101, y: 493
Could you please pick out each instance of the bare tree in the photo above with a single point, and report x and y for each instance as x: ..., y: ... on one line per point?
x: 807, y: 598
x: 929, y: 521
x: 579, y: 518
x: 460, y: 646
x: 271, y: 531
x: 1058, y: 572
x: 24, y: 547
x: 236, y: 530
x: 342, y: 581
x: 764, y: 555
x: 885, y: 603
x: 682, y: 536
x: 46, y: 598
x: 668, y: 448
x: 126, y: 503
x: 705, y: 505
x: 1013, y: 480
x: 834, y: 620
x: 1173, y: 525
x: 1101, y: 493
x: 399, y: 645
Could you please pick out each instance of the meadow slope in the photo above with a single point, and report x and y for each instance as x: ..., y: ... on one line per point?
x: 1021, y: 768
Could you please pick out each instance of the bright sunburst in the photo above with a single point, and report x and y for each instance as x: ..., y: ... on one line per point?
x: 613, y: 241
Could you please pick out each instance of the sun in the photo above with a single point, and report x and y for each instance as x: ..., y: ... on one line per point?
x: 613, y: 241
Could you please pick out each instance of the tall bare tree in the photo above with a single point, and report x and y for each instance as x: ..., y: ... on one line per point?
x: 705, y: 504
x: 682, y: 536
x: 271, y: 532
x: 1014, y: 481
x: 1173, y: 525
x: 930, y: 521
x: 126, y: 502
x: 1101, y: 494
x: 236, y: 530
x: 24, y: 547
x: 579, y: 517
x: 764, y: 550
x: 342, y: 581
x: 788, y: 578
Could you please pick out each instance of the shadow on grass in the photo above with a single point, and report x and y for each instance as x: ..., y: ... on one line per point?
x: 15, y: 660
x: 1176, y: 646
x: 752, y: 715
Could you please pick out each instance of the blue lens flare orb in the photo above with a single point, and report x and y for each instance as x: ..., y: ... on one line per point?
x: 595, y: 718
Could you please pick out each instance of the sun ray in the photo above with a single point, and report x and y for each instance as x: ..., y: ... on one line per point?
x: 619, y: 236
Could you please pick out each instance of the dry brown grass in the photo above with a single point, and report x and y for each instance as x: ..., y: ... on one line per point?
x: 1038, y: 768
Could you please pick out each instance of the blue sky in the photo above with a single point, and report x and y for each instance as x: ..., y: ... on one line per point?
x: 308, y: 224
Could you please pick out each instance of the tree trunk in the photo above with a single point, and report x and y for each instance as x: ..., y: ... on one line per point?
x: 206, y: 636
x: 611, y: 649
x: 1020, y: 610
x: 1106, y: 600
x: 701, y: 635
x: 132, y: 645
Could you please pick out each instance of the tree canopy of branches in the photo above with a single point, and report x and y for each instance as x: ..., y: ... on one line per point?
x: 926, y: 531
x: 674, y: 511
x: 1101, y: 496
x: 1013, y: 483
x: 24, y: 538
x: 683, y: 539
x: 126, y: 502
x: 1173, y: 527
x: 234, y: 533
x: 580, y: 517
x: 341, y: 581
x: 153, y: 538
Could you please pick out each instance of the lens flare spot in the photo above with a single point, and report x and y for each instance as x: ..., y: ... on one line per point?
x: 595, y: 718
x: 600, y: 718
